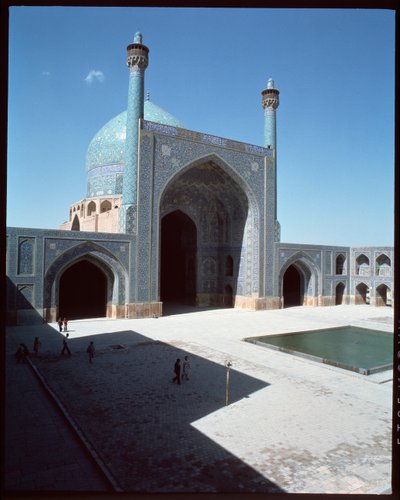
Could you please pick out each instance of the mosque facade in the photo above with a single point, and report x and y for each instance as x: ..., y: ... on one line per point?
x: 177, y: 216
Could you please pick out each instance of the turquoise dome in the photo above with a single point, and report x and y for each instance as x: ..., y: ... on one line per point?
x: 105, y: 154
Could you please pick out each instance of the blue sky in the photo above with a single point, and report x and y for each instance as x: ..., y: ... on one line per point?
x: 334, y: 70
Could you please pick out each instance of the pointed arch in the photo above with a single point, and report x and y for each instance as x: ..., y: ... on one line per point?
x: 383, y: 265
x: 362, y: 265
x: 383, y: 295
x: 105, y: 206
x: 224, y: 210
x: 340, y: 264
x: 214, y: 159
x: 339, y: 292
x: 362, y: 294
x: 85, y: 289
x: 75, y: 224
x: 106, y: 261
x: 91, y: 208
x: 307, y: 287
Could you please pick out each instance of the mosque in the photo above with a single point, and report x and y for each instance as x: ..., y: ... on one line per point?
x: 178, y: 216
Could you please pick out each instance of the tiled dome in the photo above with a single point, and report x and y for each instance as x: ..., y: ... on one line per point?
x: 105, y: 155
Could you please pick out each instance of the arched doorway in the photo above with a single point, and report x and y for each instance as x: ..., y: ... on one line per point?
x: 339, y: 294
x: 210, y: 194
x: 362, y: 294
x: 83, y: 291
x: 291, y: 288
x: 75, y: 224
x: 383, y: 296
x: 340, y: 264
x: 178, y: 258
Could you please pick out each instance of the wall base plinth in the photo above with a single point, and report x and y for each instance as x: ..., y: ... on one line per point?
x: 115, y: 312
x: 237, y: 302
x: 143, y: 310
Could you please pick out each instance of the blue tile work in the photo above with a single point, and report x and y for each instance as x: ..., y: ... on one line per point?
x: 26, y: 252
x: 174, y: 130
x: 271, y: 224
x: 270, y: 127
x: 55, y: 251
x: 270, y: 103
x: 168, y: 154
x: 316, y: 264
x: 320, y: 261
x: 106, y: 151
x: 134, y: 113
x: 371, y: 275
x: 25, y: 296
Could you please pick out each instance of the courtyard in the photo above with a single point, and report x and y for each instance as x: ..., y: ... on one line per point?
x: 292, y: 425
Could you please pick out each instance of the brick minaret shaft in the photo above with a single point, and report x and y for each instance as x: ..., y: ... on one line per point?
x: 270, y: 103
x: 137, y: 61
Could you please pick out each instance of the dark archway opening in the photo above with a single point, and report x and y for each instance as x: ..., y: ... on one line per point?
x: 75, y: 224
x: 382, y: 296
x: 83, y: 292
x: 339, y: 294
x: 362, y: 294
x: 228, y: 296
x: 178, y: 259
x: 291, y: 288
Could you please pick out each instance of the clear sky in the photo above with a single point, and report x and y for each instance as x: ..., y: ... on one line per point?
x: 334, y: 70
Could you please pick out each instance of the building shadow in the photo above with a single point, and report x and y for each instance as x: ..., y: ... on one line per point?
x: 171, y: 308
x: 141, y: 423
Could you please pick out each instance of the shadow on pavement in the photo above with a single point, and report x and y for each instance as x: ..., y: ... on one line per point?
x: 141, y: 423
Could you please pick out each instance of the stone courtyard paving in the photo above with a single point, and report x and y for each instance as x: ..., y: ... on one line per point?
x: 292, y: 425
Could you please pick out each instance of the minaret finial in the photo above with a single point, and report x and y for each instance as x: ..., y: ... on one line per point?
x: 270, y: 83
x: 138, y: 37
x: 148, y: 96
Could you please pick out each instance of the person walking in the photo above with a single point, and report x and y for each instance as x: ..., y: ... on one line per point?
x: 185, y: 369
x: 65, y: 346
x: 60, y: 323
x: 177, y: 370
x: 36, y: 346
x: 65, y: 324
x: 90, y: 350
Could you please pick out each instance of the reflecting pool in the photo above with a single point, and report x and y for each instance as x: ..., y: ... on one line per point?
x: 358, y: 349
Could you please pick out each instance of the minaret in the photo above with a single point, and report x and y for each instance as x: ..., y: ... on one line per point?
x: 137, y: 61
x: 270, y: 103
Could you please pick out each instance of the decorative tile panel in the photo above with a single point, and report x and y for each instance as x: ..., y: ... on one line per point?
x: 26, y: 254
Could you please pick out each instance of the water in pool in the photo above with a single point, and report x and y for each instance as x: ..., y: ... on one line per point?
x: 358, y: 349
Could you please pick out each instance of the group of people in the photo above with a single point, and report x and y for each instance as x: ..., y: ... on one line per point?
x: 185, y: 370
x: 62, y: 323
x: 23, y: 352
x: 90, y: 348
